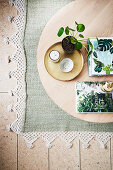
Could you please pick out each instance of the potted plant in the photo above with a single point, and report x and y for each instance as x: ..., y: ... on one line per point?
x: 74, y: 40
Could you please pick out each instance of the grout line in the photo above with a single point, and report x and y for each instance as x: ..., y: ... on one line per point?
x: 79, y: 156
x: 3, y: 92
x: 17, y: 117
x: 48, y: 159
x: 110, y: 157
x: 17, y: 152
x: 17, y: 140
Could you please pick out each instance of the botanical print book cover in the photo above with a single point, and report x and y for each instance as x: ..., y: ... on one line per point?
x: 90, y: 97
x: 101, y: 60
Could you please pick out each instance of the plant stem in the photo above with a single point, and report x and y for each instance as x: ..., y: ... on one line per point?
x: 84, y: 40
x: 85, y: 47
x: 71, y: 33
x: 76, y: 34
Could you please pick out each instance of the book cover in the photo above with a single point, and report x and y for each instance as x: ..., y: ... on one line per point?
x: 100, y: 62
x: 92, y: 97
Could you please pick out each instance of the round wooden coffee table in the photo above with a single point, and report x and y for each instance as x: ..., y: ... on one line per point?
x: 97, y: 16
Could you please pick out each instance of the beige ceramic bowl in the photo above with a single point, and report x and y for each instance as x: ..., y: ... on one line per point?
x: 66, y: 65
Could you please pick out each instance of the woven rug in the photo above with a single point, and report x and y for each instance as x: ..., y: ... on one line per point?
x: 37, y: 115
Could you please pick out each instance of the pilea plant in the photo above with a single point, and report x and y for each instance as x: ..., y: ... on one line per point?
x: 74, y: 40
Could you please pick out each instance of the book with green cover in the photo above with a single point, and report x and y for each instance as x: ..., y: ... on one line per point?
x: 100, y: 62
x: 90, y: 97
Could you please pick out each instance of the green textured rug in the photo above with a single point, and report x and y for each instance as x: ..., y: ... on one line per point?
x: 41, y: 113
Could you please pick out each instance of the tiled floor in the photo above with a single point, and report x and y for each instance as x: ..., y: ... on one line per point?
x: 14, y: 154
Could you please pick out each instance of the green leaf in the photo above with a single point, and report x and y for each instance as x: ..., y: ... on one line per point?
x: 73, y: 40
x: 80, y: 27
x: 67, y: 30
x: 111, y: 69
x: 81, y: 36
x: 76, y: 23
x: 89, y: 53
x: 60, y: 32
x: 98, y: 69
x: 104, y: 69
x: 108, y: 68
x: 98, y: 62
x: 90, y: 44
x: 105, y: 44
x: 111, y: 50
x: 97, y: 40
x: 78, y: 45
x: 95, y: 54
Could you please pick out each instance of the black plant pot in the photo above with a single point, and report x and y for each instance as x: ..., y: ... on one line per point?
x: 67, y: 46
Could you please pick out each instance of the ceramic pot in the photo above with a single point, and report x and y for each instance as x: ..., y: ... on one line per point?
x: 67, y: 46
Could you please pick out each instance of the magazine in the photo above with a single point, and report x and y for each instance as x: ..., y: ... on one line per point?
x: 91, y: 97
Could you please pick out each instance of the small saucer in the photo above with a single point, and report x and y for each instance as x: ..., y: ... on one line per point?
x: 66, y: 65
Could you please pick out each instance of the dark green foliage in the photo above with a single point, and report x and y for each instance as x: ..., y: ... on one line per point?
x: 60, y: 32
x: 67, y: 30
x: 99, y: 65
x: 98, y: 62
x: 80, y: 27
x: 76, y: 23
x: 73, y: 40
x: 91, y: 47
x: 104, y: 44
x: 87, y: 104
x: 89, y: 53
x: 90, y: 104
x: 98, y: 69
x: 78, y: 92
x: 78, y: 45
x: 95, y: 54
x: 93, y: 82
x: 97, y: 40
x: 108, y: 107
x: 111, y: 50
x: 81, y: 36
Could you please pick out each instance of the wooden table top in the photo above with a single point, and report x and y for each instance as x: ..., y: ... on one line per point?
x: 97, y: 16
